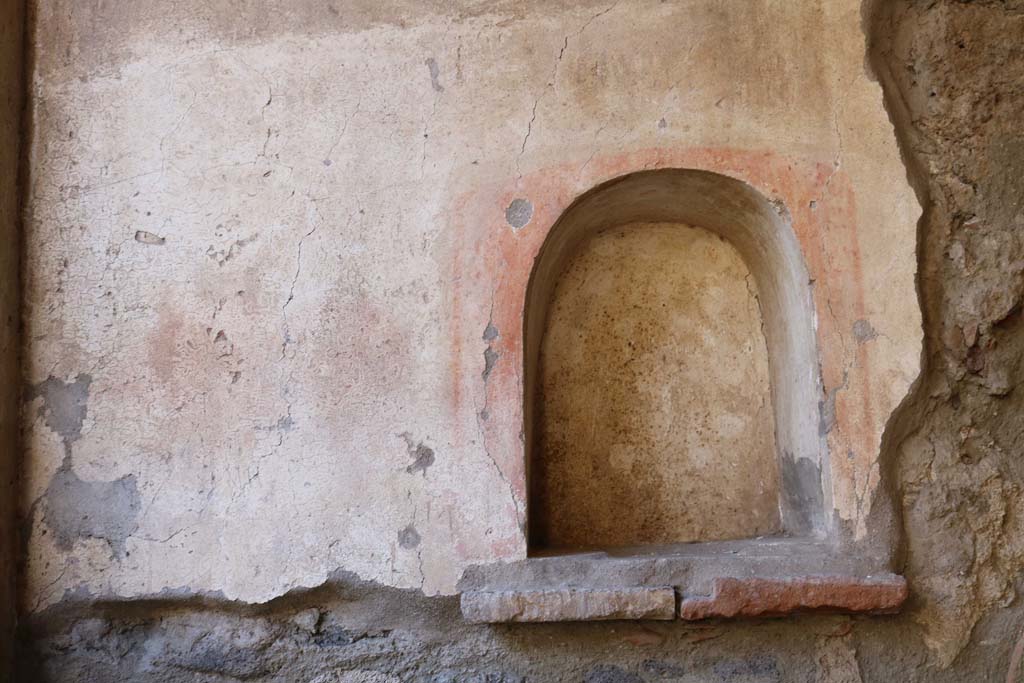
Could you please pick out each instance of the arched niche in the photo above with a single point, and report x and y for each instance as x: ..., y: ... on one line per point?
x: 761, y: 234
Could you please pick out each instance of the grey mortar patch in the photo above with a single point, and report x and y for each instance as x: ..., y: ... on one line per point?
x: 65, y: 405
x: 435, y: 74
x: 490, y: 360
x: 801, y: 484
x: 423, y: 455
x: 75, y: 509
x: 826, y: 414
x: 408, y: 537
x: 863, y: 331
x: 285, y: 424
x: 490, y: 355
x: 827, y: 408
x: 519, y: 213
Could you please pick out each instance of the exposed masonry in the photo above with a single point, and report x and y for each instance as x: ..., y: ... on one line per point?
x: 363, y: 632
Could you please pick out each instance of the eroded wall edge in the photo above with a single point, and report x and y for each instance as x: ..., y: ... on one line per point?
x: 12, y: 28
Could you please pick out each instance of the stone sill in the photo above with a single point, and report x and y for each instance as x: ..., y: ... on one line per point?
x: 733, y: 579
x: 730, y: 598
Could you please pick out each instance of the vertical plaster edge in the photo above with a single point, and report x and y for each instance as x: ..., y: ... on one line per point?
x: 886, y: 517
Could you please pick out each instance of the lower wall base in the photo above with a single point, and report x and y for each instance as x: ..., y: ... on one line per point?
x: 355, y: 632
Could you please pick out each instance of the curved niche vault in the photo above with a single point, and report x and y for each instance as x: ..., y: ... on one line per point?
x: 671, y: 381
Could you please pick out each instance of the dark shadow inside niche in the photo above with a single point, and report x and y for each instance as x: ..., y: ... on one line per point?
x: 671, y: 375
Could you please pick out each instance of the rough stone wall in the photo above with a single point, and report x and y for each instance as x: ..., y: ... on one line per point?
x: 953, y: 74
x: 954, y: 79
x: 11, y: 70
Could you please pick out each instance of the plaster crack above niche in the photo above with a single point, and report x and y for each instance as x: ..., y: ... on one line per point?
x: 551, y: 84
x: 526, y: 137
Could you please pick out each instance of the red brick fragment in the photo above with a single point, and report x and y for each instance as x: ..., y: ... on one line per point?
x: 753, y: 597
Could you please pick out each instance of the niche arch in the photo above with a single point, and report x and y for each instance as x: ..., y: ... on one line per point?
x: 762, y: 234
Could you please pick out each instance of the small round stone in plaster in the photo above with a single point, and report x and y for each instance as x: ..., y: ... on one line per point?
x: 519, y: 213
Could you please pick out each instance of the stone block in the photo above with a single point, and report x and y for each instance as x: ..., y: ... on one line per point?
x: 569, y: 604
x: 752, y: 597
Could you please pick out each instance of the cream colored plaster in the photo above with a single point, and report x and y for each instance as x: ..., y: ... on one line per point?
x: 249, y: 241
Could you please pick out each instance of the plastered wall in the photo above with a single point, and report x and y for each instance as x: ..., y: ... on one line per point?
x: 237, y: 342
x: 265, y: 254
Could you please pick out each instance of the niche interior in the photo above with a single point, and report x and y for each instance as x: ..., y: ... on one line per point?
x: 671, y: 379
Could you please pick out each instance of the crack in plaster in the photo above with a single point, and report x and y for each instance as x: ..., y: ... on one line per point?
x: 491, y: 333
x: 550, y: 85
x: 291, y: 292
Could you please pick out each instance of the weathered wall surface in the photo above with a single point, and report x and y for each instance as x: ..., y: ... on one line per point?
x: 11, y: 70
x: 953, y: 75
x: 263, y: 267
